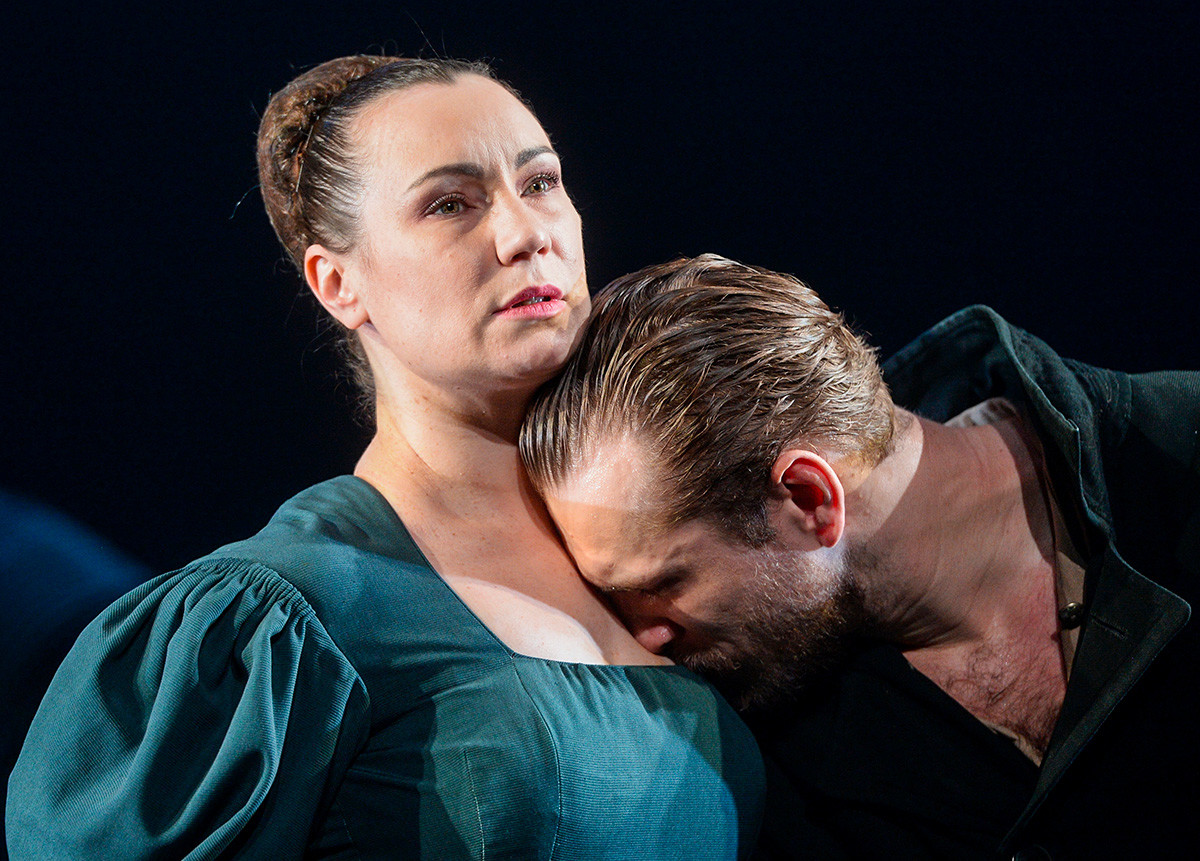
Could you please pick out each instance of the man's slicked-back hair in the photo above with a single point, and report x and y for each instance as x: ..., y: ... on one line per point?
x: 712, y: 367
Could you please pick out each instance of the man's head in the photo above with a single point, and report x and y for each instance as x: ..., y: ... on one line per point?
x: 715, y: 367
x: 695, y: 432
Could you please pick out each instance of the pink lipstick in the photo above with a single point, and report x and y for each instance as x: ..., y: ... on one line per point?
x: 544, y: 300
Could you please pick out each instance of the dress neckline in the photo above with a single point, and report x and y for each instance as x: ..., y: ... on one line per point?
x: 388, y: 535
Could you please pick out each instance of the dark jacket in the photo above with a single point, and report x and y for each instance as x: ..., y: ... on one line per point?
x: 878, y: 762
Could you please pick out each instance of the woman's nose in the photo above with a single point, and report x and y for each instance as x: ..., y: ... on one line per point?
x: 521, y: 232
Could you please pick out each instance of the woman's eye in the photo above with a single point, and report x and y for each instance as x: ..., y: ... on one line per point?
x: 446, y: 206
x: 541, y: 184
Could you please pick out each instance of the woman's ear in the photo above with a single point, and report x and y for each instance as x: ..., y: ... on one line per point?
x: 812, y: 493
x: 329, y: 278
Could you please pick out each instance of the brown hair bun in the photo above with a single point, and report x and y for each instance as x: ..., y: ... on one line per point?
x: 285, y: 135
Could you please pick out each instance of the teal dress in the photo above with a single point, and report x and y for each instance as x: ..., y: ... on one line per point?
x: 319, y: 691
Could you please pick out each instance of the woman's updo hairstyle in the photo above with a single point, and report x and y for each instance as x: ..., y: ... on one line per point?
x: 308, y: 168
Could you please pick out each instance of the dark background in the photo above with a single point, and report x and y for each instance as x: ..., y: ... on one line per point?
x: 163, y: 380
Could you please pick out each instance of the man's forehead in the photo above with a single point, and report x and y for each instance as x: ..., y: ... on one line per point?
x: 616, y: 471
x: 605, y: 506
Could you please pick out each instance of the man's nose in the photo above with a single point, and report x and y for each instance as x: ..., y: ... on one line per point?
x: 656, y: 637
x: 648, y: 622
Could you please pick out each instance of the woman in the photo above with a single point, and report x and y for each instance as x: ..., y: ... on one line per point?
x: 404, y: 662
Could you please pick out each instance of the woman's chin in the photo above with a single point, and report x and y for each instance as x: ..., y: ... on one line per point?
x: 527, y: 378
x: 538, y: 362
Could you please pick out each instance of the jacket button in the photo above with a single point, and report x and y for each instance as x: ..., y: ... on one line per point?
x: 1071, y: 616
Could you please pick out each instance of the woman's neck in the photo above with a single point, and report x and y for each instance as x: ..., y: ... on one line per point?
x: 430, y: 456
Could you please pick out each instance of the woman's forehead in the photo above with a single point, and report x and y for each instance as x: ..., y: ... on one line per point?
x: 472, y: 120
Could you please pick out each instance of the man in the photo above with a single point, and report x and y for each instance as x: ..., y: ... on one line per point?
x: 962, y: 629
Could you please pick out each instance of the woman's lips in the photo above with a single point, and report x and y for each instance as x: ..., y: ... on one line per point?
x: 534, y: 303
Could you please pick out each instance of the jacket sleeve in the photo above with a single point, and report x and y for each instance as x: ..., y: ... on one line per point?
x: 205, y: 714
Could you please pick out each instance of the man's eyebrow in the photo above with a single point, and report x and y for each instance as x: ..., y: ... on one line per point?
x: 475, y: 171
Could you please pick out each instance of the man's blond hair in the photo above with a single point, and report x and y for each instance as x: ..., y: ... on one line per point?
x: 713, y: 367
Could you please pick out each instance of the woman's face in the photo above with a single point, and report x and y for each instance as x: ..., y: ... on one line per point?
x: 469, y: 268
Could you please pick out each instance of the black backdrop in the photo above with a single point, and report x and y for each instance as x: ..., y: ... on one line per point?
x: 162, y: 378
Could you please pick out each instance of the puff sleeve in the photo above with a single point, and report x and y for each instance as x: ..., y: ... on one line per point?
x: 205, y: 714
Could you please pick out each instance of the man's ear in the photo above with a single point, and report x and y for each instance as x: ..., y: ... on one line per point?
x: 812, y: 493
x: 327, y: 277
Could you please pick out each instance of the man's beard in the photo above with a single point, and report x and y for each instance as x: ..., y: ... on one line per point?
x: 783, y: 637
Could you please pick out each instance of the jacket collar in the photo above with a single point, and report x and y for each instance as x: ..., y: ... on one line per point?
x: 974, y: 355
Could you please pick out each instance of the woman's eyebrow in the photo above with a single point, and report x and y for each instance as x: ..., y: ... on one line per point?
x: 476, y: 171
x: 527, y: 155
x: 463, y: 168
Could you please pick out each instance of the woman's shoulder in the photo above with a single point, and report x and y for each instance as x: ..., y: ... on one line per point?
x: 339, y: 553
x: 285, y: 585
x: 215, y: 614
x: 339, y: 517
x: 329, y: 543
x: 175, y: 710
